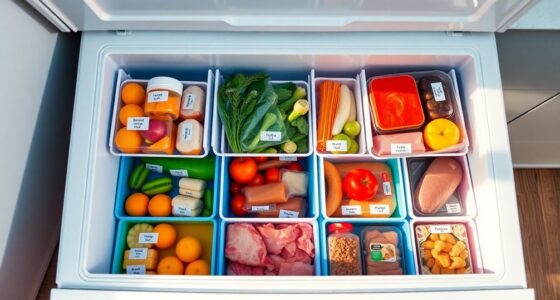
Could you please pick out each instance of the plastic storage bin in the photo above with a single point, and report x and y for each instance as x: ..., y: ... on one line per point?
x: 126, y: 166
x: 163, y: 146
x: 203, y: 230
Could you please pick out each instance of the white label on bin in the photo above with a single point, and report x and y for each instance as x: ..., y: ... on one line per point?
x: 188, y: 103
x: 271, y: 136
x: 288, y: 158
x: 351, y: 210
x: 437, y: 89
x: 336, y: 145
x: 154, y: 168
x: 260, y: 208
x: 187, y: 133
x: 401, y: 148
x: 453, y: 208
x: 288, y: 214
x: 379, y: 209
x: 136, y: 269
x: 138, y: 253
x: 440, y: 228
x: 138, y: 123
x: 159, y: 96
x: 179, y: 173
x: 181, y: 210
x: 148, y: 237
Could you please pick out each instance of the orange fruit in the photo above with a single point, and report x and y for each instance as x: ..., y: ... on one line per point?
x: 130, y: 111
x: 188, y: 249
x: 133, y: 93
x: 198, y: 267
x: 128, y: 141
x: 136, y: 205
x: 166, y: 235
x: 160, y: 206
x: 170, y: 265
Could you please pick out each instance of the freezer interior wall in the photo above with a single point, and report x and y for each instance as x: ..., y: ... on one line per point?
x: 101, y: 223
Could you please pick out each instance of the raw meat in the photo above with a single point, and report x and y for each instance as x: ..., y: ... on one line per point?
x: 304, y: 242
x: 295, y: 268
x: 383, y: 268
x: 412, y: 141
x: 276, y: 239
x: 245, y: 245
x: 238, y: 269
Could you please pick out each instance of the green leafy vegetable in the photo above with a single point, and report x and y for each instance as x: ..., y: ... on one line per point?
x: 284, y: 91
x: 301, y: 125
x: 285, y: 106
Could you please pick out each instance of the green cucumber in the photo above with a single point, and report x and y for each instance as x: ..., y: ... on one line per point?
x: 201, y: 168
x: 138, y: 176
x: 208, y: 199
x: 157, y: 186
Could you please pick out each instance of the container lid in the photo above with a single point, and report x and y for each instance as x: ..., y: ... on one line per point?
x: 289, y: 15
x: 167, y: 83
x: 340, y: 227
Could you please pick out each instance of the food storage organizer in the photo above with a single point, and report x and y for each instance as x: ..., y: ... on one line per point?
x: 312, y: 209
x: 388, y: 203
x: 331, y: 143
x: 337, y: 39
x: 219, y: 140
x: 127, y: 164
x: 168, y: 143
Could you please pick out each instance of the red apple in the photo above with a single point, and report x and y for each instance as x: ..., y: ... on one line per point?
x: 156, y: 131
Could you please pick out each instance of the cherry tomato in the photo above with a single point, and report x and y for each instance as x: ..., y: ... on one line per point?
x: 294, y: 166
x: 235, y: 188
x: 360, y: 184
x: 272, y: 175
x: 242, y: 169
x: 260, y: 159
x: 258, y: 180
x: 238, y: 205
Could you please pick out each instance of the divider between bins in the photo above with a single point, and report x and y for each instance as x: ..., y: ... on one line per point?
x: 222, y: 260
x: 194, y: 228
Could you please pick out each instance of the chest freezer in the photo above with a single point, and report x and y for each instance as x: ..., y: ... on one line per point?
x: 287, y: 39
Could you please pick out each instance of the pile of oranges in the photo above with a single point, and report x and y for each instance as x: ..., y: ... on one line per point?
x: 138, y: 204
x: 133, y: 96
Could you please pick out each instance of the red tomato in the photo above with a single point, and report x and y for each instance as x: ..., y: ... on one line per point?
x: 272, y: 175
x: 235, y: 188
x: 242, y: 169
x: 238, y: 205
x: 260, y: 159
x: 294, y: 166
x: 360, y: 184
x: 258, y: 180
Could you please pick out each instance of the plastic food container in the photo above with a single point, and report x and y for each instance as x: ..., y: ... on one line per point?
x: 383, y: 250
x: 443, y: 249
x: 163, y: 98
x: 460, y: 203
x: 193, y: 102
x: 146, y: 134
x: 436, y: 93
x: 344, y: 250
x: 141, y: 259
x: 396, y: 104
x: 127, y: 166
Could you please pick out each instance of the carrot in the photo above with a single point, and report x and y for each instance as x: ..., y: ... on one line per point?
x: 329, y: 93
x: 334, y: 188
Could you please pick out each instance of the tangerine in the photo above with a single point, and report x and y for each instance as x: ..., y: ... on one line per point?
x: 170, y: 265
x: 188, y: 249
x: 136, y: 205
x: 166, y: 235
x: 130, y: 111
x: 160, y: 206
x: 133, y: 93
x: 198, y: 267
x: 128, y: 141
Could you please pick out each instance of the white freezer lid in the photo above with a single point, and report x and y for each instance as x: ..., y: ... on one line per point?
x: 285, y: 15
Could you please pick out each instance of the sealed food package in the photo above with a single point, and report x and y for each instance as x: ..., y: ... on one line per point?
x: 436, y: 93
x: 395, y: 103
x: 443, y: 249
x: 295, y: 207
x: 163, y: 98
x: 189, y: 137
x: 344, y: 250
x: 247, y: 107
x: 368, y: 190
x: 296, y: 183
x: 382, y: 250
x: 192, y: 103
x: 399, y: 143
x: 433, y: 186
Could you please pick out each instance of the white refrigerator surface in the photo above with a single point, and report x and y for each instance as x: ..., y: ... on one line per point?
x: 89, y: 224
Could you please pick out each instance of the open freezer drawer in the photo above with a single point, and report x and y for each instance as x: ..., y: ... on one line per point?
x: 89, y: 225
